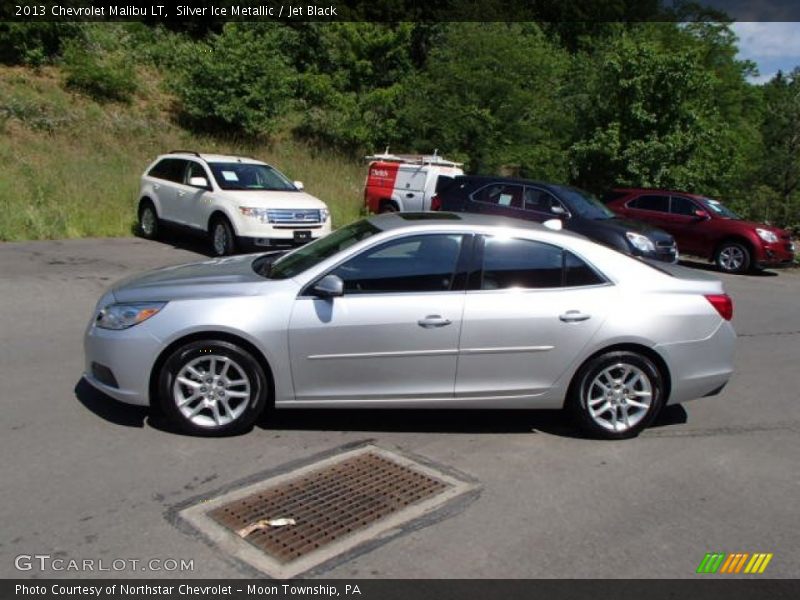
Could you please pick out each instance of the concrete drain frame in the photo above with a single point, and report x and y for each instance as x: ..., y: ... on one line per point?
x: 371, y: 516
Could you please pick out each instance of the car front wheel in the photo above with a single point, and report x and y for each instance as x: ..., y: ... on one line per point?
x: 616, y: 395
x: 223, y: 239
x: 733, y: 257
x: 212, y: 388
x: 148, y: 220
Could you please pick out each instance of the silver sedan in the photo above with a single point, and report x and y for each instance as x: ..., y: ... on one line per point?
x: 405, y: 310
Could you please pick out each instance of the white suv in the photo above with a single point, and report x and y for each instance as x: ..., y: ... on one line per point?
x: 235, y: 200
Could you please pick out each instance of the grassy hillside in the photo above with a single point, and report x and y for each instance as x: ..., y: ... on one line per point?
x: 70, y: 167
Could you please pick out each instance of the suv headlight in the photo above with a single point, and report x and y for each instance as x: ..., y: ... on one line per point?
x: 256, y: 213
x: 640, y: 242
x: 767, y: 235
x: 122, y: 316
x: 324, y: 214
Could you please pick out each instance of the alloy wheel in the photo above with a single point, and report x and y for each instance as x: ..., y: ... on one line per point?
x: 212, y: 391
x: 619, y: 397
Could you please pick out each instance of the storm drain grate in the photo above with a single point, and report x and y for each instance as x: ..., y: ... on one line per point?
x: 288, y: 524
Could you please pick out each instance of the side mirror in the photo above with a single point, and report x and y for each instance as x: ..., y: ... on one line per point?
x: 329, y: 286
x: 299, y: 185
x: 701, y: 214
x: 198, y: 182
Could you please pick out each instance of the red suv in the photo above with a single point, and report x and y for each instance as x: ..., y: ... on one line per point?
x: 705, y: 227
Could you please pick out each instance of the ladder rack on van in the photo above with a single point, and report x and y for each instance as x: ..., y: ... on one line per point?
x: 414, y: 159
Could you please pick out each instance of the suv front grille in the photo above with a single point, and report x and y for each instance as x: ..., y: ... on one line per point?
x: 289, y: 216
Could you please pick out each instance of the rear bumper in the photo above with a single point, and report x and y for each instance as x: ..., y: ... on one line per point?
x: 700, y: 368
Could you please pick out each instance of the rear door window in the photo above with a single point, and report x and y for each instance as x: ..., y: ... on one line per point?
x: 652, y: 202
x: 515, y: 263
x: 501, y: 194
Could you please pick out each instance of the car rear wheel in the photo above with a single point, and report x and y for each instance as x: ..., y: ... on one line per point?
x: 223, y: 240
x: 733, y: 257
x: 212, y: 388
x: 148, y: 220
x: 616, y: 395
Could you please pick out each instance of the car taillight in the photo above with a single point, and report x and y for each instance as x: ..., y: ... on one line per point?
x: 723, y: 304
x: 436, y: 202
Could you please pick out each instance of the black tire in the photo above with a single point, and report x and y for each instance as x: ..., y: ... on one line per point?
x: 733, y: 257
x: 389, y: 207
x: 585, y: 388
x: 149, y: 225
x: 234, y: 415
x: 222, y: 236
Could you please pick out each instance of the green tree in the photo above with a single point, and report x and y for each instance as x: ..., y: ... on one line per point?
x: 781, y: 132
x: 490, y: 95
x: 351, y: 78
x: 238, y: 81
x: 650, y: 115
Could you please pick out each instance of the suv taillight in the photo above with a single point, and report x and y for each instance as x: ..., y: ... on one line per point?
x: 436, y: 202
x: 723, y: 304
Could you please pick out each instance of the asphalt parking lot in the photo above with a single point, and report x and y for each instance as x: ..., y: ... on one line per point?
x: 85, y: 477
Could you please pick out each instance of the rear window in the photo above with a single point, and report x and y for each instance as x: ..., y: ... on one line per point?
x: 171, y: 169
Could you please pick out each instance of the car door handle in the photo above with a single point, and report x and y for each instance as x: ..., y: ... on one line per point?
x: 574, y: 316
x: 181, y: 193
x: 156, y: 186
x: 433, y: 321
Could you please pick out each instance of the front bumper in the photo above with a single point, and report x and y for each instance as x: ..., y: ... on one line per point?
x: 778, y: 254
x: 123, y: 357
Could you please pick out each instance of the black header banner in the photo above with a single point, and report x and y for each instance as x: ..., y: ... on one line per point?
x: 154, y: 11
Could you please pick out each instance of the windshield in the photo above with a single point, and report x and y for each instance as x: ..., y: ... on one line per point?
x: 250, y: 177
x: 719, y: 209
x: 585, y: 204
x: 311, y: 254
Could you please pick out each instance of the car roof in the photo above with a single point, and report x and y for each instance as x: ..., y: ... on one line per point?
x: 399, y: 220
x: 500, y: 178
x: 214, y: 158
x: 657, y: 191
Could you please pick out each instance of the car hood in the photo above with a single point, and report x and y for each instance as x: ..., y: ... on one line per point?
x: 274, y: 199
x: 754, y: 225
x: 623, y: 225
x: 231, y: 276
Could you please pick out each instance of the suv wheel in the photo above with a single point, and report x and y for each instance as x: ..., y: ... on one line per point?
x: 223, y: 240
x: 616, y: 395
x: 148, y: 220
x: 733, y: 257
x: 212, y: 388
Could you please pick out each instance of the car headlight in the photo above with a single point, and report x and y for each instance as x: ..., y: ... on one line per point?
x: 256, y: 213
x: 324, y: 214
x: 122, y: 316
x: 640, y: 242
x: 767, y: 235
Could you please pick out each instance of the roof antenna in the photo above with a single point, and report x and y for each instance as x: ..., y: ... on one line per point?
x: 387, y: 150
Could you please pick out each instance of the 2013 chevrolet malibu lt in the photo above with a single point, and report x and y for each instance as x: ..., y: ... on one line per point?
x: 416, y: 310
